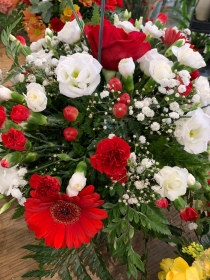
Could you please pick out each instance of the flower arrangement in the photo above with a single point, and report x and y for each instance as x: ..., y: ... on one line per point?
x: 179, y: 269
x: 99, y: 140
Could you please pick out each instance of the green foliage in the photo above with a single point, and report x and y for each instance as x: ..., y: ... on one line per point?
x: 96, y: 16
x: 68, y: 262
x: 19, y: 211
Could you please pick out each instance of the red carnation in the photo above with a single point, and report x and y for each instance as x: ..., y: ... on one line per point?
x: 22, y: 40
x: 2, y: 116
x: 194, y: 74
x: 111, y: 158
x: 188, y: 214
x: 65, y: 221
x: 19, y: 113
x: 14, y: 139
x: 162, y: 203
x: 56, y: 24
x: 45, y: 187
x: 117, y: 44
x: 171, y: 36
x: 162, y: 18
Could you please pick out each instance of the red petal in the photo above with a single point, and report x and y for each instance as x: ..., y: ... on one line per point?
x: 87, y: 190
x: 60, y: 236
x: 80, y: 233
x: 35, y: 180
x: 95, y: 213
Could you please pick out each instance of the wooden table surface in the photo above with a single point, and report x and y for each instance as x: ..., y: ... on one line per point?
x: 14, y: 234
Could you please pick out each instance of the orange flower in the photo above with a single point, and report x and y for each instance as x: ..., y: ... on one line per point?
x: 86, y: 3
x: 35, y: 31
x: 29, y: 18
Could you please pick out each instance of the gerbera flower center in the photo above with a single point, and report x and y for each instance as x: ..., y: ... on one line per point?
x: 65, y: 212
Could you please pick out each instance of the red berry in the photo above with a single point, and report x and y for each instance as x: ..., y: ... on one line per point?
x: 119, y: 110
x: 115, y: 84
x: 125, y: 98
x: 70, y: 113
x: 70, y: 133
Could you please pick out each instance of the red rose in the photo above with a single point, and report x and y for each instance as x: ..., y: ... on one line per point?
x: 111, y: 158
x: 117, y: 44
x: 110, y: 5
x: 14, y: 139
x: 2, y: 116
x: 45, y: 187
x: 56, y: 24
x: 19, y: 113
x: 70, y: 133
x: 162, y: 203
x: 188, y: 214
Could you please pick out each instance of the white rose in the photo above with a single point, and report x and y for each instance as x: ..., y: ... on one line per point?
x: 148, y: 57
x: 78, y: 74
x: 5, y: 93
x: 126, y: 26
x: 160, y: 70
x: 188, y: 57
x: 70, y: 33
x: 36, y: 98
x: 152, y: 30
x: 203, y: 89
x: 193, y: 132
x: 76, y: 183
x: 172, y: 182
x: 126, y: 67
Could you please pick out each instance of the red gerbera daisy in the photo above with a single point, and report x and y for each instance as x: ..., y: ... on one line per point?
x: 65, y: 221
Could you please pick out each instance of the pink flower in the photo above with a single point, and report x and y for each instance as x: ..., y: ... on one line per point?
x: 6, y: 6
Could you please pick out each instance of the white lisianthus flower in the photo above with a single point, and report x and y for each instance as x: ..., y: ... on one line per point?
x: 188, y: 57
x: 160, y: 70
x: 37, y: 46
x: 78, y: 74
x: 127, y: 26
x: 148, y: 57
x: 172, y: 182
x: 126, y: 67
x: 152, y: 30
x: 36, y: 98
x: 193, y: 132
x: 5, y: 93
x: 76, y: 183
x: 203, y: 89
x: 70, y: 33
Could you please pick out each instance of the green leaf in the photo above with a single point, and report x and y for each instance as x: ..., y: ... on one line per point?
x: 137, y: 261
x: 19, y: 211
x: 96, y: 16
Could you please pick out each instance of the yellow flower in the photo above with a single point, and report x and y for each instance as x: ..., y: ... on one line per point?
x: 166, y: 264
x: 68, y: 12
x: 182, y: 271
x: 177, y: 269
